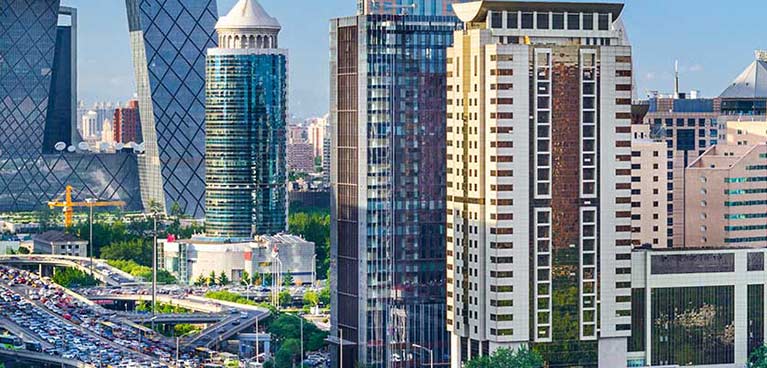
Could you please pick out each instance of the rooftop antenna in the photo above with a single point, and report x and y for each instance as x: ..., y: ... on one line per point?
x: 676, y: 79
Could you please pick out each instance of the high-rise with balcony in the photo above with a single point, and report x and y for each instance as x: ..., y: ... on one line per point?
x: 246, y: 111
x: 539, y: 182
x: 387, y: 118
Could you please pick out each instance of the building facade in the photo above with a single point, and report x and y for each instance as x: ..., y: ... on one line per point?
x: 300, y: 157
x: 697, y: 307
x: 725, y: 197
x: 539, y: 182
x: 403, y: 7
x: 39, y: 155
x: 648, y: 188
x: 387, y: 118
x: 168, y: 41
x: 127, y: 123
x: 246, y: 104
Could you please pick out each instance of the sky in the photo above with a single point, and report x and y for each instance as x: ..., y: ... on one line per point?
x: 712, y: 40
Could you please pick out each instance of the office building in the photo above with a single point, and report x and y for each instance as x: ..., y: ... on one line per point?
x: 387, y: 115
x: 89, y: 127
x: 316, y: 131
x: 648, y: 188
x: 245, y: 125
x: 190, y: 259
x: 725, y: 197
x: 401, y: 7
x: 39, y: 155
x: 696, y: 307
x: 326, y: 153
x: 300, y: 157
x: 747, y: 94
x: 168, y: 40
x: 688, y: 127
x: 539, y: 182
x: 127, y: 123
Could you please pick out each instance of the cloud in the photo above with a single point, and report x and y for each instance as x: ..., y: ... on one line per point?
x: 649, y: 76
x: 696, y: 68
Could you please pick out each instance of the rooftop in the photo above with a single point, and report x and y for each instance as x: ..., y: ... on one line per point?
x: 752, y: 83
x: 55, y: 236
x: 477, y: 10
x: 248, y: 14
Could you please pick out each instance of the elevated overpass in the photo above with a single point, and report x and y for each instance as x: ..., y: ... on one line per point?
x: 29, y: 356
x: 102, y: 271
x: 193, y: 318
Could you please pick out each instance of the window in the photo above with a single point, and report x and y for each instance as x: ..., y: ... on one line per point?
x: 496, y: 20
x: 512, y: 20
x: 543, y: 21
x: 558, y: 21
x: 604, y: 22
x: 588, y: 21
x: 573, y: 21
x: 527, y: 20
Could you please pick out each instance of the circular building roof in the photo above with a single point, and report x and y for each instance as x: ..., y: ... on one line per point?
x: 248, y: 14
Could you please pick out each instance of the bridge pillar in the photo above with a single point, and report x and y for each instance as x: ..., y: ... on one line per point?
x: 40, y: 270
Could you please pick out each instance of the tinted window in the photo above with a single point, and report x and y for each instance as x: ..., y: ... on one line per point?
x: 588, y: 21
x: 512, y: 20
x: 756, y: 261
x: 496, y: 20
x: 527, y: 20
x: 543, y: 21
x: 573, y: 21
x: 558, y: 21
x: 692, y: 263
x: 685, y: 139
x: 604, y: 22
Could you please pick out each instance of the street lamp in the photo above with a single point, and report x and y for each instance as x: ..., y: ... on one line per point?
x: 90, y: 202
x: 178, y: 338
x: 431, y: 354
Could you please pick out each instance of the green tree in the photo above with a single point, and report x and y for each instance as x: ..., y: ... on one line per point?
x: 311, y: 298
x: 245, y: 279
x: 223, y: 280
x: 314, y: 227
x: 289, y: 350
x: 285, y: 298
x: 175, y: 210
x: 212, y: 278
x: 324, y: 297
x: 200, y: 281
x: 503, y: 358
x: 69, y: 277
x: 136, y: 250
x: 287, y: 280
x: 758, y: 358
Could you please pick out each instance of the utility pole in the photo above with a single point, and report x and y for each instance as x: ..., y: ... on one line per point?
x: 90, y: 202
x: 154, y: 263
x: 341, y: 348
x: 302, y: 341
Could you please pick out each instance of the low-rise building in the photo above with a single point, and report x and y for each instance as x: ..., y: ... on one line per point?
x: 725, y: 201
x: 59, y: 243
x: 189, y: 259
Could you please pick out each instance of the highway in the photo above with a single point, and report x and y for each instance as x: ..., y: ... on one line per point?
x: 30, y: 356
x: 103, y: 272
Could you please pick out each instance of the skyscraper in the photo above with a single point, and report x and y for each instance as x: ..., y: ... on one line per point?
x: 246, y: 104
x: 38, y: 89
x: 539, y: 182
x: 387, y: 118
x: 169, y: 39
x: 412, y: 7
x: 127, y: 123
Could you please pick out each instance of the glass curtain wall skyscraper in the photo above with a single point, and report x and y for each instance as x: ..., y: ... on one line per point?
x: 387, y: 118
x: 39, y: 156
x: 245, y: 126
x: 169, y: 39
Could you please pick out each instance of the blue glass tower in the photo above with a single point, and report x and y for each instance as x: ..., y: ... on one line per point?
x: 246, y: 103
x: 388, y: 180
x: 38, y: 87
x: 169, y: 39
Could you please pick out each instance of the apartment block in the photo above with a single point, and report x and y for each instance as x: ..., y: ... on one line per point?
x: 648, y: 188
x: 539, y: 181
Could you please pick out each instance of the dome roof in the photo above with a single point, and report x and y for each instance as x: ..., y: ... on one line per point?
x: 248, y: 14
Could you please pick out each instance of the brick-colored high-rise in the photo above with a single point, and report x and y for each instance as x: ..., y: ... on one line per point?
x: 127, y: 123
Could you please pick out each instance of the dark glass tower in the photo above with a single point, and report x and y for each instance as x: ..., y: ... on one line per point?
x: 37, y: 94
x: 388, y: 118
x: 246, y: 106
x: 169, y: 39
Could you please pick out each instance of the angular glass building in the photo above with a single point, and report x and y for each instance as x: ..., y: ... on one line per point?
x: 169, y: 39
x: 38, y: 87
x: 388, y: 118
x: 246, y: 104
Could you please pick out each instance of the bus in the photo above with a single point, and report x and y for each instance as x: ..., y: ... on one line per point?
x: 11, y: 342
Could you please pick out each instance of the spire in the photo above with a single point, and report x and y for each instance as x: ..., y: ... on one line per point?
x: 248, y: 14
x: 676, y: 79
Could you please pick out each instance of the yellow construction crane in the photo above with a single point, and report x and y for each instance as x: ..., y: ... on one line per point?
x: 69, y: 206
